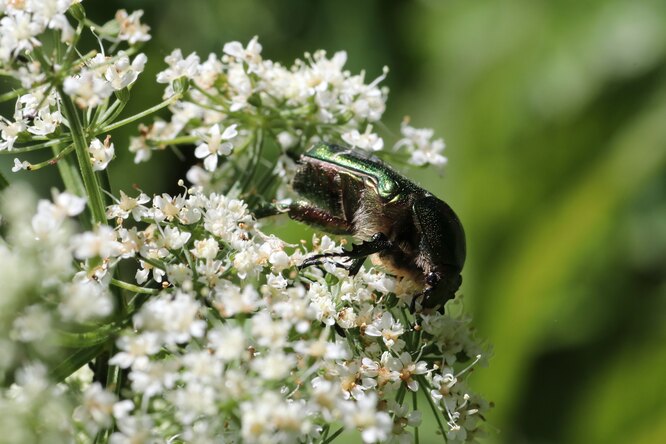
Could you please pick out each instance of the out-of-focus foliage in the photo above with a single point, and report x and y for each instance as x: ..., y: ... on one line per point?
x: 555, y: 119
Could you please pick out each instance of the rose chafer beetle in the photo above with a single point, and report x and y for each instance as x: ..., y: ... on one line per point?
x: 412, y: 232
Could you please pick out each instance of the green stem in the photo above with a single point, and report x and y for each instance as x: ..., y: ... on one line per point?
x: 105, y: 181
x: 53, y: 160
x: 256, y: 156
x: 38, y: 146
x: 138, y: 116
x: 93, y: 190
x: 433, y: 407
x: 333, y: 436
x: 133, y: 288
x: 113, y: 112
x: 13, y: 94
x: 415, y: 405
x: 3, y: 182
x: 88, y: 339
x: 71, y: 179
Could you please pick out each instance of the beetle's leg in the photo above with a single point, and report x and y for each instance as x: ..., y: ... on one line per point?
x: 357, y: 254
x: 311, y: 215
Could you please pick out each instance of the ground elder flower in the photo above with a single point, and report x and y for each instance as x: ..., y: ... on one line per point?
x: 89, y: 89
x: 122, y: 73
x: 367, y: 140
x: 131, y: 28
x: 217, y: 332
x: 419, y: 144
x: 215, y: 144
x: 129, y: 205
x: 20, y: 165
x: 101, y: 153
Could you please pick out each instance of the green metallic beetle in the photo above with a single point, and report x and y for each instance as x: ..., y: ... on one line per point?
x: 412, y: 233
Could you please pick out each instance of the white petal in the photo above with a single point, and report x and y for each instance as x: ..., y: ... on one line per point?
x: 210, y: 162
x: 229, y: 132
x: 202, y: 151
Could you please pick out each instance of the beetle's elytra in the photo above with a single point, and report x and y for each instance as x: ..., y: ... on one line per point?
x: 412, y: 232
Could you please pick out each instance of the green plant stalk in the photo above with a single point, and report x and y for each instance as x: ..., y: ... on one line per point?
x: 334, y: 435
x: 433, y: 407
x: 52, y: 161
x: 93, y: 190
x: 3, y: 182
x: 70, y: 177
x: 416, y: 408
x: 133, y: 288
x: 38, y: 146
x: 140, y: 115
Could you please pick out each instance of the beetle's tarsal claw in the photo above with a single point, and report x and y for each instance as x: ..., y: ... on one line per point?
x: 412, y: 305
x: 317, y: 260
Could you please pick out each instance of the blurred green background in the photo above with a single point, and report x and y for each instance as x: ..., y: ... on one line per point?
x: 554, y: 113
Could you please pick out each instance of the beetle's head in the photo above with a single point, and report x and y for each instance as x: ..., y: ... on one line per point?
x: 441, y: 287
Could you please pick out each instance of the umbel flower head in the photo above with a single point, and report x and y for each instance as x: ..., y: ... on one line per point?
x: 179, y: 318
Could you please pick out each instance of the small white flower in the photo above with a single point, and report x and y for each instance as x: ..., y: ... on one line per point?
x: 33, y: 324
x: 84, y: 300
x: 135, y: 349
x: 215, y: 144
x: 228, y: 343
x: 131, y: 28
x: 421, y: 147
x: 176, y: 318
x: 388, y: 329
x: 179, y: 274
x: 152, y: 378
x: 9, y: 132
x: 96, y: 410
x: 67, y: 203
x: 231, y: 300
x: 18, y: 165
x: 101, y: 153
x: 251, y: 54
x: 287, y: 140
x: 375, y: 425
x: 143, y: 273
x: 122, y: 73
x: 129, y: 205
x: 18, y: 32
x: 367, y: 140
x: 99, y: 243
x: 206, y: 248
x: 46, y: 122
x: 407, y: 368
x: 175, y: 239
x: 274, y: 366
x: 89, y: 88
x: 178, y: 67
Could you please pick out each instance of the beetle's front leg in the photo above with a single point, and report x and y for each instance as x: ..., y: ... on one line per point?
x: 358, y: 253
x: 312, y: 215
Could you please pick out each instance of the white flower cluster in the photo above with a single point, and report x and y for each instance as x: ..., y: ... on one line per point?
x: 314, y: 99
x: 45, y: 291
x: 213, y: 356
x: 36, y: 113
x: 39, y: 271
x: 101, y: 77
x: 91, y: 80
x: 24, y: 21
x: 200, y: 327
x: 236, y: 343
